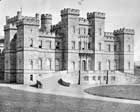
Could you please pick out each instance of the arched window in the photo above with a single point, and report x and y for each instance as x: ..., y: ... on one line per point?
x: 73, y: 64
x: 48, y: 64
x: 40, y: 63
x: 89, y: 65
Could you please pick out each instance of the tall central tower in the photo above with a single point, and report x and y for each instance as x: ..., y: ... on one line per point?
x: 97, y: 23
x: 70, y: 24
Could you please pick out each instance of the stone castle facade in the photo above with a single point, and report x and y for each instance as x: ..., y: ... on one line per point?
x: 75, y: 43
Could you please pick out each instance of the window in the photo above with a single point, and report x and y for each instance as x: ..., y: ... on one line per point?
x: 109, y: 49
x: 73, y: 29
x: 73, y: 44
x: 100, y: 46
x: 50, y: 44
x: 89, y: 65
x: 40, y: 44
x: 100, y: 31
x: 48, y: 64
x: 129, y: 48
x: 105, y: 77
x: 57, y: 44
x: 31, y: 64
x: 99, y: 77
x: 94, y: 78
x: 84, y: 30
x: 128, y: 65
x: 31, y: 77
x: 40, y: 64
x: 99, y: 65
x: 79, y: 30
x: 31, y: 43
x: 115, y: 47
x: 79, y: 45
x: 73, y: 64
x: 86, y: 78
x: 108, y: 64
x: 115, y: 64
x: 113, y: 78
x: 57, y: 64
x: 89, y: 46
x: 89, y: 31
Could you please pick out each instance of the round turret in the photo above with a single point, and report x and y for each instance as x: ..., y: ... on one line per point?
x: 46, y: 22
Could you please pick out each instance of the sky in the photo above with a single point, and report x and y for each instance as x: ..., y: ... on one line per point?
x: 119, y: 13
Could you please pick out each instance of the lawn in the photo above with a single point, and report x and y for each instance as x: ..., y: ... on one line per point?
x: 21, y: 101
x: 117, y: 91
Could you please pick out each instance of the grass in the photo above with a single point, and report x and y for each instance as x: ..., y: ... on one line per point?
x: 21, y: 101
x: 131, y: 92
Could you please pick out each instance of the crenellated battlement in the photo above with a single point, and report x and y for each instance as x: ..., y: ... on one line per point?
x: 68, y: 11
x: 108, y: 34
x: 29, y: 21
x: 14, y: 19
x: 124, y: 31
x: 46, y: 16
x: 83, y: 21
x: 96, y: 15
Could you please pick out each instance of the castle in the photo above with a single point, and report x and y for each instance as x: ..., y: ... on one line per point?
x: 74, y: 44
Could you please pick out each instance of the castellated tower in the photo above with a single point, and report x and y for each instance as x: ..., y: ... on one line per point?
x: 46, y: 22
x: 70, y: 23
x: 97, y: 23
x: 10, y: 31
x: 126, y: 53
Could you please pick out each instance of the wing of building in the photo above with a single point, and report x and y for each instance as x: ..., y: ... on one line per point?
x: 74, y: 44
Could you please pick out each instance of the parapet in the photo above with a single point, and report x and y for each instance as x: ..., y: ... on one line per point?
x: 83, y: 21
x: 108, y: 34
x: 124, y: 31
x: 46, y: 16
x: 68, y: 11
x: 96, y: 15
x: 28, y: 21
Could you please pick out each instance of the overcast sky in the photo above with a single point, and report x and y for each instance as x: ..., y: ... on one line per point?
x: 119, y: 13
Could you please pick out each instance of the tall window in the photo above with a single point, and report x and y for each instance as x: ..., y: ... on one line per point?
x: 31, y: 43
x: 57, y: 44
x: 99, y: 65
x: 100, y: 31
x: 100, y: 46
x: 48, y: 64
x: 57, y: 65
x: 108, y: 64
x: 89, y: 65
x: 129, y: 48
x: 128, y: 65
x: 84, y: 30
x: 109, y: 48
x: 73, y: 29
x: 31, y: 77
x: 73, y: 64
x: 31, y: 64
x: 89, y: 46
x: 79, y: 30
x: 40, y: 44
x: 79, y: 45
x: 115, y: 64
x: 40, y: 63
x: 115, y: 47
x: 73, y: 44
